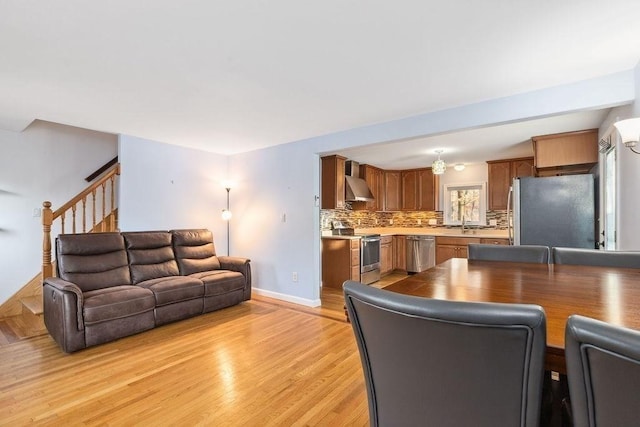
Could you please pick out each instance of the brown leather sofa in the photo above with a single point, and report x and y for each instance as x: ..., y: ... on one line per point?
x: 111, y: 285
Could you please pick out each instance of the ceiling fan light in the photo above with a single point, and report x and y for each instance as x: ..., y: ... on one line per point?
x: 459, y: 167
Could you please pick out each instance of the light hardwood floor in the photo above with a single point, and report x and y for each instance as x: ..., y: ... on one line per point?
x: 263, y: 362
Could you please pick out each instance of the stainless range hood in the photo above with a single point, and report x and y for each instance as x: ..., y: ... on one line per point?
x: 356, y: 188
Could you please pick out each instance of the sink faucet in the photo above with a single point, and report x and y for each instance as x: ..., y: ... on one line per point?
x: 463, y: 224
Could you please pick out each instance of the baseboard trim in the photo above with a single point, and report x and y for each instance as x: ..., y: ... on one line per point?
x: 288, y: 298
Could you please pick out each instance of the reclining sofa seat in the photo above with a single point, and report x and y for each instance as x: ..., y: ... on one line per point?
x: 94, y: 283
x: 111, y: 285
x: 196, y: 256
x: 153, y: 266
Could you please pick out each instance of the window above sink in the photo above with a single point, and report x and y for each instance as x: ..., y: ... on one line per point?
x: 466, y: 202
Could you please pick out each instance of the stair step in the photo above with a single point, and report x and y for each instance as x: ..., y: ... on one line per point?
x: 33, y: 304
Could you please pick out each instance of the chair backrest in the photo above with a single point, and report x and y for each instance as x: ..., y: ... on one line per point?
x: 603, y: 370
x: 596, y: 257
x: 150, y: 255
x: 93, y: 260
x: 435, y: 362
x: 194, y: 251
x: 520, y: 253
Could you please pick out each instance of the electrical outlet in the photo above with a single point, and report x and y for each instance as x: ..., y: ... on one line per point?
x: 294, y: 276
x: 37, y: 212
x: 419, y: 222
x: 391, y: 221
x: 433, y: 221
x: 493, y: 222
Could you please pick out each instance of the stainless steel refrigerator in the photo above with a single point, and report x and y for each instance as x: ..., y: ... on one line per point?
x: 555, y: 211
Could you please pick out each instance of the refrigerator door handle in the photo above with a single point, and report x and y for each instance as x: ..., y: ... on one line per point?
x: 509, y: 230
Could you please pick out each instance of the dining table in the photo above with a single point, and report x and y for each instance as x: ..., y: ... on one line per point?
x: 609, y: 294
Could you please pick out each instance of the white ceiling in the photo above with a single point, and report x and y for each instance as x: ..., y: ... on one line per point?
x: 230, y: 76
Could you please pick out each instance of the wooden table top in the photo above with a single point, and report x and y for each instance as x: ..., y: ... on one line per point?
x: 605, y: 293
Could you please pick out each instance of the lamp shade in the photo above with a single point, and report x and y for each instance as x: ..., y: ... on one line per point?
x: 629, y: 131
x: 438, y: 167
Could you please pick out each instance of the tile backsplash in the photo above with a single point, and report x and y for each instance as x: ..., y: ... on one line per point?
x: 408, y: 219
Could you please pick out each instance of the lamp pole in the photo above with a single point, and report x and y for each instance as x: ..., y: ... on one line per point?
x: 228, y: 220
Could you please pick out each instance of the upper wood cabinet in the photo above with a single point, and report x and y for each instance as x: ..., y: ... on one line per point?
x: 428, y: 185
x: 332, y: 169
x: 501, y: 173
x: 419, y: 190
x: 374, y: 178
x: 569, y: 152
x: 409, y: 190
x: 392, y: 190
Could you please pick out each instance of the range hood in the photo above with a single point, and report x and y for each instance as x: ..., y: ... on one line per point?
x: 356, y: 188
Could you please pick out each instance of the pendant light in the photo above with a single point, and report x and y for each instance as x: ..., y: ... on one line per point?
x: 439, y: 166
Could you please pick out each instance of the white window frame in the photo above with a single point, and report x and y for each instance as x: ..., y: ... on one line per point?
x: 482, y: 186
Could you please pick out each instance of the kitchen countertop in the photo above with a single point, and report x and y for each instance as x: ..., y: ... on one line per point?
x: 424, y: 231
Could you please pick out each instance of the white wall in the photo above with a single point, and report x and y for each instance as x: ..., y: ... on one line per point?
x: 164, y: 187
x: 278, y: 219
x: 628, y: 232
x: 46, y: 161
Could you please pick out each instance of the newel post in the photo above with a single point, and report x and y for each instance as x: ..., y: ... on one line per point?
x: 47, y: 220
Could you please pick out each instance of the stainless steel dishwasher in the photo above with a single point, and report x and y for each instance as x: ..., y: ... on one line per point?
x: 421, y: 253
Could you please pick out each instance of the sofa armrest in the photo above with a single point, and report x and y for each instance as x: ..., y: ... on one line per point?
x: 63, y: 305
x: 241, y: 265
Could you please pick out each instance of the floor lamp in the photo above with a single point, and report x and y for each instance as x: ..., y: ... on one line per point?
x: 226, y: 215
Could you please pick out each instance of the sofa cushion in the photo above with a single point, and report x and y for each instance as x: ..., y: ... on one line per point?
x: 220, y: 281
x: 92, y: 261
x: 116, y: 302
x: 194, y: 251
x: 150, y: 255
x: 169, y: 290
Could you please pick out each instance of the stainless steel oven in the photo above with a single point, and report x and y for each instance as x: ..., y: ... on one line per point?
x: 370, y: 258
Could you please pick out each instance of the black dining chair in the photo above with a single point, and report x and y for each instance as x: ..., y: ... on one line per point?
x: 603, y: 369
x: 448, y: 363
x: 520, y: 253
x: 576, y: 256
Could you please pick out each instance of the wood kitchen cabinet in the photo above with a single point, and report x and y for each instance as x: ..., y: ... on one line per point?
x: 565, y: 153
x: 333, y: 182
x: 428, y: 185
x: 374, y: 177
x: 386, y: 255
x: 409, y: 180
x: 399, y: 252
x: 453, y: 247
x: 501, y: 174
x: 419, y: 190
x: 392, y: 190
x: 340, y: 261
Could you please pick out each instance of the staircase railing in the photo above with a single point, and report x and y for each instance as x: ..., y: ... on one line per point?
x: 101, y: 198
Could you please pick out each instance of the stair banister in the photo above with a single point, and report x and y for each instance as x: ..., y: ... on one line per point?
x: 108, y: 222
